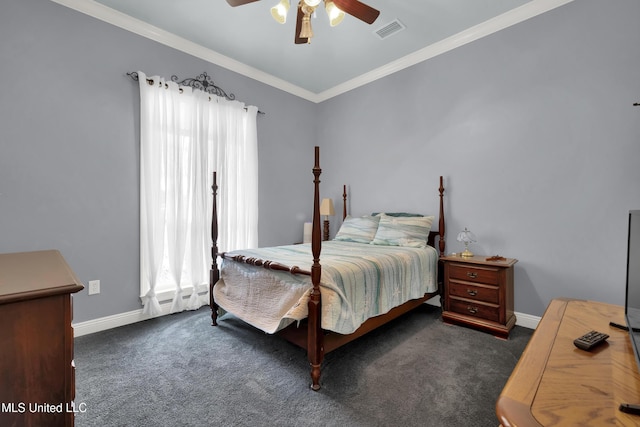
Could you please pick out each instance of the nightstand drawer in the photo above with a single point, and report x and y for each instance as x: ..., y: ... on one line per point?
x: 473, y: 274
x: 475, y: 309
x: 478, y: 292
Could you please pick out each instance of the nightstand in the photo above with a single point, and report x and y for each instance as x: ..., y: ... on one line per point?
x: 479, y: 293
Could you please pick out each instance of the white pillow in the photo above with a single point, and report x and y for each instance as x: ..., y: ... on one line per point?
x: 403, y: 231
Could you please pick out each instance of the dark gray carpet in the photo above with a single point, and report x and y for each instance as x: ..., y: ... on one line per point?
x: 180, y: 371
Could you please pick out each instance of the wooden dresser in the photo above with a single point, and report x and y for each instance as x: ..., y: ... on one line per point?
x: 479, y: 293
x: 557, y: 384
x: 36, y: 367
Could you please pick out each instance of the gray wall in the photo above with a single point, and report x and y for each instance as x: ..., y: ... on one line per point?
x: 532, y: 128
x: 69, y: 156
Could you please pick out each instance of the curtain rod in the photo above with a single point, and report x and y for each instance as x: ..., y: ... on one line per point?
x: 202, y: 82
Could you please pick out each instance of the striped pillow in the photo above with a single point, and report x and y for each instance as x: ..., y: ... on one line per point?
x: 403, y: 231
x: 358, y: 229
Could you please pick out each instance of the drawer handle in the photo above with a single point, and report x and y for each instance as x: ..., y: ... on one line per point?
x: 472, y: 274
x: 472, y: 310
x: 472, y: 292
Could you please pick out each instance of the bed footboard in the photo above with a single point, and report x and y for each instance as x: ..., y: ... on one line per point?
x: 316, y: 342
x: 315, y: 337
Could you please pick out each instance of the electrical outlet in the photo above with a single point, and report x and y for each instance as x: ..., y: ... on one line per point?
x: 94, y: 287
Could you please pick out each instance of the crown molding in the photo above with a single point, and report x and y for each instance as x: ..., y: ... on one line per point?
x: 507, y: 19
x: 141, y: 28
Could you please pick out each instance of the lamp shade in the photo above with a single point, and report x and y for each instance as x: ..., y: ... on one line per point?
x: 466, y: 236
x: 279, y: 11
x: 326, y: 207
x: 335, y: 15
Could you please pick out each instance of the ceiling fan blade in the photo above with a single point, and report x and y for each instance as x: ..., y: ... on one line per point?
x: 235, y: 3
x: 358, y: 10
x: 298, y: 39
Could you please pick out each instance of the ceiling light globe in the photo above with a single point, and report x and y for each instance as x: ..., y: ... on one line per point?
x: 312, y: 3
x: 279, y: 11
x: 335, y: 15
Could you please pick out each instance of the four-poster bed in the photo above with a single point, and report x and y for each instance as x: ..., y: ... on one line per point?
x: 345, y: 305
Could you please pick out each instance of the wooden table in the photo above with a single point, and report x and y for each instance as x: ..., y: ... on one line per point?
x: 555, y: 383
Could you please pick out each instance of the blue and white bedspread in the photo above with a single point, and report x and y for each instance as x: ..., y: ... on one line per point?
x: 358, y: 281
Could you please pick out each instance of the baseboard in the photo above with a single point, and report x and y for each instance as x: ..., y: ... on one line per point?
x: 116, y: 320
x: 122, y: 319
x: 527, y: 320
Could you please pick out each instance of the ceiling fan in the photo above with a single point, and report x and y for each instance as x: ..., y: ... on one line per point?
x: 336, y: 10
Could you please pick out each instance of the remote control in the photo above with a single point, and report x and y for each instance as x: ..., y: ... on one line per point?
x: 629, y: 408
x: 590, y: 340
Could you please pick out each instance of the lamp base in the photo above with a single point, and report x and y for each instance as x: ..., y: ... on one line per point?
x: 325, y: 233
x: 467, y: 253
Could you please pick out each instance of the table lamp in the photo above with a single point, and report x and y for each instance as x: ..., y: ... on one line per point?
x: 326, y: 209
x: 466, y: 237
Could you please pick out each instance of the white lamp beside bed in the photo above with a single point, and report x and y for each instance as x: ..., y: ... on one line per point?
x: 326, y: 209
x: 466, y: 237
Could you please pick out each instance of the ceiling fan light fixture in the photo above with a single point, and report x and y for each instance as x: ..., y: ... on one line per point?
x: 335, y: 15
x: 305, y: 31
x: 312, y: 3
x: 279, y: 11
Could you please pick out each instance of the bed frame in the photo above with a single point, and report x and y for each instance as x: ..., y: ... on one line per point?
x: 316, y: 341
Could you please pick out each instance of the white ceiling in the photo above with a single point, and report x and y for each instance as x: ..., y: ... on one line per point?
x: 247, y: 40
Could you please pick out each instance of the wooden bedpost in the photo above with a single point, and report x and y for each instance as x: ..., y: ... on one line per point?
x: 344, y: 202
x: 441, y: 229
x: 315, y: 341
x: 214, y: 273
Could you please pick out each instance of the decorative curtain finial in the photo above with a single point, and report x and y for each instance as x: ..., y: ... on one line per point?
x: 204, y: 83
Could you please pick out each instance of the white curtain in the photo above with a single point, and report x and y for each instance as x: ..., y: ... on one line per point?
x: 185, y: 135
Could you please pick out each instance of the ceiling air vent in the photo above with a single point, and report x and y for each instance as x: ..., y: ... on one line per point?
x: 389, y: 29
